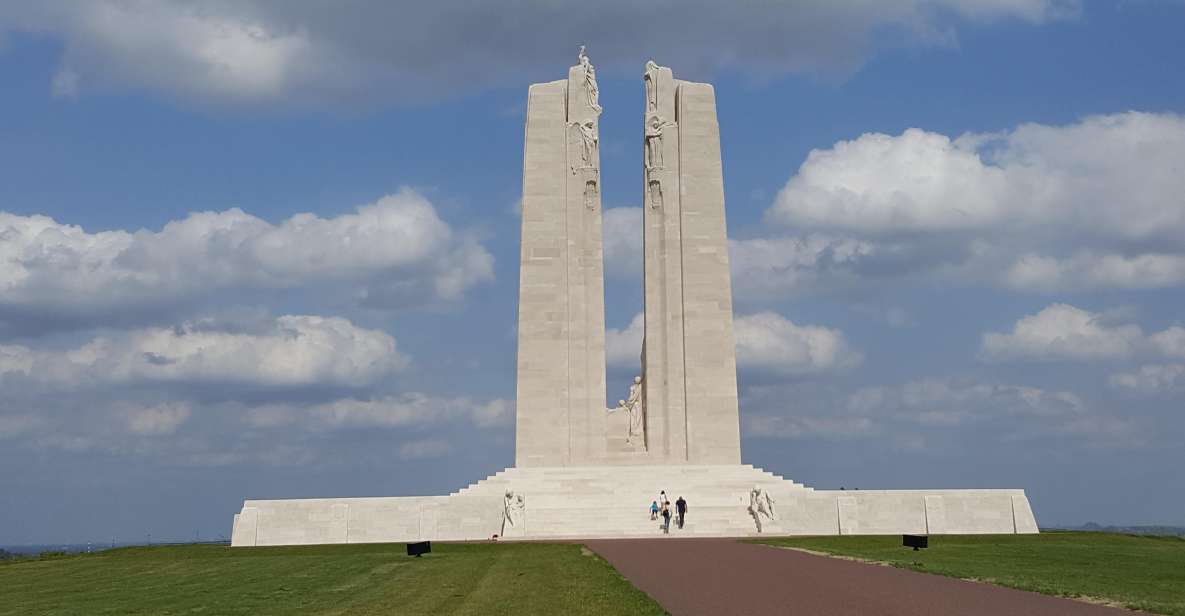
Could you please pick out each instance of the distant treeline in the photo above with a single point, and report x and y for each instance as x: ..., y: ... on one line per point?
x: 1127, y: 530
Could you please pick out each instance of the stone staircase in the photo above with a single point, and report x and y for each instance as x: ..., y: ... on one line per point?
x: 614, y: 501
x: 594, y: 502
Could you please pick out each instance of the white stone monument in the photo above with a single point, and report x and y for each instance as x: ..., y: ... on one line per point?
x: 585, y: 471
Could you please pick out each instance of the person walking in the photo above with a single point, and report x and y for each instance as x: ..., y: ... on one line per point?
x: 653, y: 510
x: 666, y: 518
x: 681, y: 509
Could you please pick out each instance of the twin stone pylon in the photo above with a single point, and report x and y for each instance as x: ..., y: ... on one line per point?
x: 679, y: 425
x: 685, y: 409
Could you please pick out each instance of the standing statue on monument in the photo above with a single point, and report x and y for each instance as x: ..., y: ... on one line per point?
x: 654, y: 126
x: 650, y: 77
x: 588, y: 140
x: 634, y: 405
x: 760, y: 504
x: 513, y: 507
x: 590, y: 81
x: 636, y: 431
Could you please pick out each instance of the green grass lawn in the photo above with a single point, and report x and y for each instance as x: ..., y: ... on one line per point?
x: 1145, y: 573
x: 487, y: 579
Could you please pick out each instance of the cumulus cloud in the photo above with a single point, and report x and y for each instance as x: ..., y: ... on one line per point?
x: 808, y: 426
x: 290, y: 351
x: 1090, y: 270
x: 623, y: 347
x: 1064, y: 332
x: 622, y: 233
x: 1151, y: 379
x: 256, y: 51
x: 386, y: 411
x: 946, y: 403
x: 1034, y: 174
x: 768, y: 342
x: 909, y: 415
x: 771, y: 266
x: 1093, y: 204
x: 423, y: 449
x: 395, y: 251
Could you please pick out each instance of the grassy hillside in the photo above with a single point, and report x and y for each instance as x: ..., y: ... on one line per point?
x: 1140, y: 572
x: 485, y: 579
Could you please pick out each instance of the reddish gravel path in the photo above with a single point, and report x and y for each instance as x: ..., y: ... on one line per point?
x: 718, y: 577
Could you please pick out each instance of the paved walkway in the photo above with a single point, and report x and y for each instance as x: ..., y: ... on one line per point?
x: 720, y: 577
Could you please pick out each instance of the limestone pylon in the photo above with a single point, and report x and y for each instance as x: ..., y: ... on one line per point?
x: 585, y: 471
x: 689, y: 361
x: 560, y: 410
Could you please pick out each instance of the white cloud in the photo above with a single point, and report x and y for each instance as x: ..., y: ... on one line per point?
x: 623, y: 347
x: 1074, y: 176
x: 390, y: 411
x: 1064, y: 332
x: 765, y: 342
x: 776, y: 266
x: 944, y: 402
x: 290, y: 351
x: 1151, y: 379
x: 1170, y: 342
x: 256, y: 51
x: 622, y: 239
x: 1093, y: 204
x: 908, y: 414
x: 918, y: 181
x: 423, y: 449
x: 1061, y: 331
x: 493, y: 413
x: 1090, y: 270
x: 770, y: 343
x: 396, y: 250
x: 808, y: 426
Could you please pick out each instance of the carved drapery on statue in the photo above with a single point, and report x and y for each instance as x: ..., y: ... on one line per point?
x: 634, y: 406
x: 514, y: 506
x: 649, y: 77
x: 590, y: 81
x: 654, y: 126
x: 653, y: 154
x: 588, y: 140
x: 761, y: 504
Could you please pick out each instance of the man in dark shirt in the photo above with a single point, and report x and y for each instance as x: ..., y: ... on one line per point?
x: 681, y: 509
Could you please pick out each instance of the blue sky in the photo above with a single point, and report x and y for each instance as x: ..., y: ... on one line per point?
x: 259, y: 250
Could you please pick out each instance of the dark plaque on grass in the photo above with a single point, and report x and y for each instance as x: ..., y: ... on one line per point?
x: 915, y: 541
x: 416, y: 549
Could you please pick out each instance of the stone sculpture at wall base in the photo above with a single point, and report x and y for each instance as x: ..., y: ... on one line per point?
x: 583, y: 470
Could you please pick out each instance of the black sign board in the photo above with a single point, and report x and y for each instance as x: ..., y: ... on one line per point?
x: 422, y: 547
x: 915, y: 541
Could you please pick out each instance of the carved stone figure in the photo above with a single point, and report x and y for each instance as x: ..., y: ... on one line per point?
x: 650, y: 77
x: 655, y: 196
x: 513, y: 507
x: 634, y: 406
x: 590, y: 194
x: 588, y: 140
x: 590, y: 81
x: 761, y: 504
x: 654, y: 126
x: 637, y: 413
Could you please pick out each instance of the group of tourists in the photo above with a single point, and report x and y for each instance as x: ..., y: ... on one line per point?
x: 662, y: 507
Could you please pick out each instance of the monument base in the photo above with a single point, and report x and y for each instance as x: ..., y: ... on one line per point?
x: 594, y: 502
